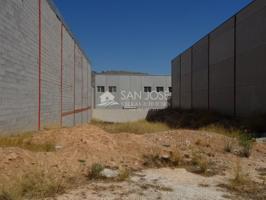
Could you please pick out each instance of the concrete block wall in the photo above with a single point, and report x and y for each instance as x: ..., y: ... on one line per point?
x: 175, y: 76
x: 200, y: 74
x: 44, y: 74
x: 251, y: 59
x: 68, y: 78
x: 186, y: 94
x: 228, y: 67
x: 18, y: 65
x: 50, y: 68
x: 221, y: 68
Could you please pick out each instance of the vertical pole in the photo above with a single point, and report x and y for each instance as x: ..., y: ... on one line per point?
x: 208, y: 72
x: 235, y: 65
x: 87, y: 92
x: 82, y: 87
x: 74, y: 85
x: 40, y: 65
x: 61, y: 81
x: 191, y: 83
x: 180, y: 81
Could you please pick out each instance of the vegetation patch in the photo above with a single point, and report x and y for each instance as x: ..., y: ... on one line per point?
x: 242, y: 185
x: 246, y: 144
x: 159, y: 159
x: 212, y: 121
x: 36, y: 184
x: 123, y: 174
x: 25, y: 141
x: 200, y: 165
x: 138, y: 127
x: 95, y: 171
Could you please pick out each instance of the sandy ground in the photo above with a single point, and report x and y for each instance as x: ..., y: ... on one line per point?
x: 80, y: 147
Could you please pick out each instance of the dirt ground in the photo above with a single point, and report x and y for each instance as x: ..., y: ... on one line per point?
x: 163, y: 183
x: 80, y: 147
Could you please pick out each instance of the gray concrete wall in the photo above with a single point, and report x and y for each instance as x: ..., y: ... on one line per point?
x: 222, y: 68
x: 51, y: 68
x: 251, y: 59
x: 186, y: 93
x: 68, y: 78
x: 228, y: 66
x: 18, y: 65
x: 175, y: 76
x: 200, y: 74
x: 63, y: 82
x: 119, y: 115
x: 130, y: 91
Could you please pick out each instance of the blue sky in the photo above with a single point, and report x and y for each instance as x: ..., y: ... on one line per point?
x: 142, y: 35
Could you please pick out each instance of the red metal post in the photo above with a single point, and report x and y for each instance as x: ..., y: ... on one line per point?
x: 74, y: 83
x: 40, y: 65
x: 61, y: 81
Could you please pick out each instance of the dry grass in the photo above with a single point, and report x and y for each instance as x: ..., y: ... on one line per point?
x: 123, y: 174
x: 200, y: 163
x: 246, y: 144
x: 240, y: 178
x: 163, y: 120
x: 36, y: 184
x: 243, y: 186
x: 156, y: 158
x: 138, y: 127
x: 210, y: 121
x: 240, y: 128
x: 196, y: 119
x: 228, y: 145
x: 96, y: 169
x: 25, y: 141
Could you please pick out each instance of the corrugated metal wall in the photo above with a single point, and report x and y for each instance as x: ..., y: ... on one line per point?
x: 225, y: 71
x: 44, y: 75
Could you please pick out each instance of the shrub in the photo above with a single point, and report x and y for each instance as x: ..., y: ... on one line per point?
x: 199, y: 163
x: 246, y: 144
x: 176, y: 158
x: 158, y: 159
x: 95, y: 171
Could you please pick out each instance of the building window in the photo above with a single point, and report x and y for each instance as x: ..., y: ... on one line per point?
x: 112, y: 88
x: 170, y: 89
x: 100, y: 88
x: 147, y: 89
x: 159, y: 89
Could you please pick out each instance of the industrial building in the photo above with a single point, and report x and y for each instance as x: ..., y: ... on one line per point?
x: 129, y: 95
x: 45, y: 78
x: 131, y: 91
x: 225, y: 70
